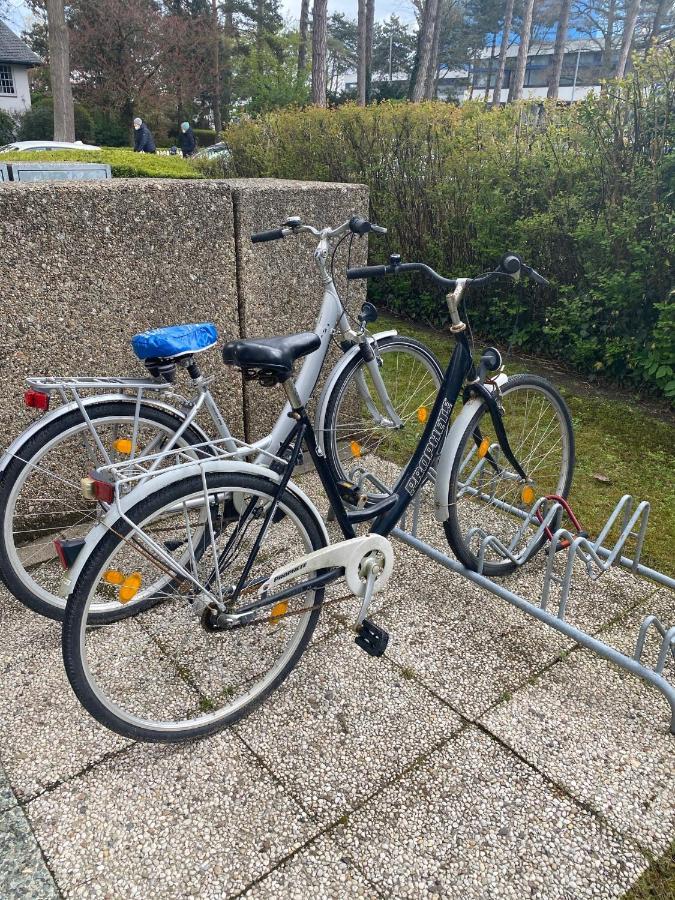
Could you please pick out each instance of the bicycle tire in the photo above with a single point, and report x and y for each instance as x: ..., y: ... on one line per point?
x: 13, y: 574
x: 80, y: 666
x: 415, y: 399
x: 467, y: 512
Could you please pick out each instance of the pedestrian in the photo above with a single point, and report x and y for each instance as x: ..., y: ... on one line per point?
x: 144, y: 142
x: 188, y: 141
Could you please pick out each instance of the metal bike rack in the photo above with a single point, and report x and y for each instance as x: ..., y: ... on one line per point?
x: 597, y: 559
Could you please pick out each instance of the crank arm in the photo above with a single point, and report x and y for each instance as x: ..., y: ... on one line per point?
x: 349, y: 555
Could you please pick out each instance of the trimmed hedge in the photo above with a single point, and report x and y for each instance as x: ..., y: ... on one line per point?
x: 123, y: 163
x: 584, y: 193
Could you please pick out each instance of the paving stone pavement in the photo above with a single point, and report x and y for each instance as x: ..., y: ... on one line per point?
x: 483, y: 756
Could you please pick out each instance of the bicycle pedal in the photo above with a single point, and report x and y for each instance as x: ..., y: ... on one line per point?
x: 372, y: 638
x: 349, y: 492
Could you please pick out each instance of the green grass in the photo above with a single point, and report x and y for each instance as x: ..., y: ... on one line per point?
x: 658, y: 881
x: 618, y: 437
x: 123, y: 163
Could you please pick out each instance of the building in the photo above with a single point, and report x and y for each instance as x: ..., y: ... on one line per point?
x: 581, y: 74
x: 15, y: 61
x: 581, y: 71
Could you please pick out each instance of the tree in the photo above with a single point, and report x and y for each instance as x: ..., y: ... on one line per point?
x: 432, y: 69
x: 516, y: 87
x: 302, y: 43
x: 361, y: 54
x: 319, y: 36
x: 59, y: 60
x: 370, y: 26
x: 627, y: 37
x: 393, y: 43
x: 215, y: 25
x: 425, y: 42
x: 559, y: 49
x: 342, y: 44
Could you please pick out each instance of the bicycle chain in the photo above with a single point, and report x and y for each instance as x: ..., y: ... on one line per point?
x: 272, y: 620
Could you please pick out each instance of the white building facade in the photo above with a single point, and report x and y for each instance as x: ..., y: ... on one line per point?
x: 15, y: 61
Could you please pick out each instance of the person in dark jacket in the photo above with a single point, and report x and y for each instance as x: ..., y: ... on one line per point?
x: 144, y: 142
x: 188, y: 141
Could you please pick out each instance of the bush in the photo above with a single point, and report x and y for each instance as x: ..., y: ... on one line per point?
x: 37, y: 124
x: 205, y: 137
x: 584, y: 193
x: 109, y: 131
x: 123, y: 163
x: 7, y: 128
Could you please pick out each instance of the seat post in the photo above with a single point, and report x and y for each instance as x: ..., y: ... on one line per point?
x: 292, y: 394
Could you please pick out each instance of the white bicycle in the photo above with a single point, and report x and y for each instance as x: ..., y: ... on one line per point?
x: 367, y: 409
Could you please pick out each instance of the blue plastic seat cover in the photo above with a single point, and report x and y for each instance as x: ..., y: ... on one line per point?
x: 176, y: 340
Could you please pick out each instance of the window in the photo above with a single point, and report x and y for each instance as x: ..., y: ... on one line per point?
x: 6, y: 79
x: 537, y: 71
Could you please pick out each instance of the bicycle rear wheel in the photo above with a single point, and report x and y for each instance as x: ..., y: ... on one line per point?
x: 486, y: 496
x: 164, y: 674
x: 359, y: 434
x: 41, y: 498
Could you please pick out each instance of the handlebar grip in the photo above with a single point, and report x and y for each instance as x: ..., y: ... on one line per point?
x: 366, y: 272
x: 274, y: 235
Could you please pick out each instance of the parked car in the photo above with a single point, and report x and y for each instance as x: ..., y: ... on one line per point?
x: 215, y: 150
x: 34, y: 146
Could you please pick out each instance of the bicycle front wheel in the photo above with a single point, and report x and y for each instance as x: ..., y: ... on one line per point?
x: 486, y: 496
x: 360, y: 432
x: 165, y: 674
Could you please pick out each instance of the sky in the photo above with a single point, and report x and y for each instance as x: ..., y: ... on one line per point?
x: 20, y: 17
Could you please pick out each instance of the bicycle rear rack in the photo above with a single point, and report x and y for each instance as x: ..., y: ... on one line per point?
x: 597, y: 558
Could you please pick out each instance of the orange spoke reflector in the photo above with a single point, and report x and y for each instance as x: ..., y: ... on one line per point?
x: 422, y: 414
x: 130, y: 587
x: 527, y: 495
x: 483, y: 448
x: 112, y: 576
x: 355, y: 447
x: 123, y: 446
x: 278, y: 610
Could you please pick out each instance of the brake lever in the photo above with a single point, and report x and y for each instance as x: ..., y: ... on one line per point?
x: 534, y: 275
x: 378, y: 229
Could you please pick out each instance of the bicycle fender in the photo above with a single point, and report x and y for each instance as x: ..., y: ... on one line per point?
x: 160, y: 482
x: 335, y: 373
x: 449, y: 451
x: 38, y: 424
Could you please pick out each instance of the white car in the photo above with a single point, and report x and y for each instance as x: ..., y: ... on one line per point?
x: 34, y: 146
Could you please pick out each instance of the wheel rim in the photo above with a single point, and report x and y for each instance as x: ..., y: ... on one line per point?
x: 489, y: 502
x: 358, y: 443
x: 43, y: 578
x: 195, y: 677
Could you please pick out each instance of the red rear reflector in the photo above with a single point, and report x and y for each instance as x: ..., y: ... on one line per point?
x: 104, y: 491
x: 61, y: 554
x: 68, y: 550
x: 36, y: 399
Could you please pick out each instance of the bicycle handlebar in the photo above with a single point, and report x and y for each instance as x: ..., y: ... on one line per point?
x: 272, y: 235
x: 295, y: 225
x: 510, y: 266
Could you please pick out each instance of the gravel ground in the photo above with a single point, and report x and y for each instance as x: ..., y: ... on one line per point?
x: 478, y: 758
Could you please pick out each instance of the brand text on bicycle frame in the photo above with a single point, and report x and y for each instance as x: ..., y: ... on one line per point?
x: 434, y: 440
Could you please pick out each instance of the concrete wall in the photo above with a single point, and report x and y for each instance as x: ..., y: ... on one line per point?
x: 84, y: 266
x: 19, y: 101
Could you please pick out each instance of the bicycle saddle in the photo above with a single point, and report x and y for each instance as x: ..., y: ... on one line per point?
x: 174, y: 341
x: 275, y: 355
